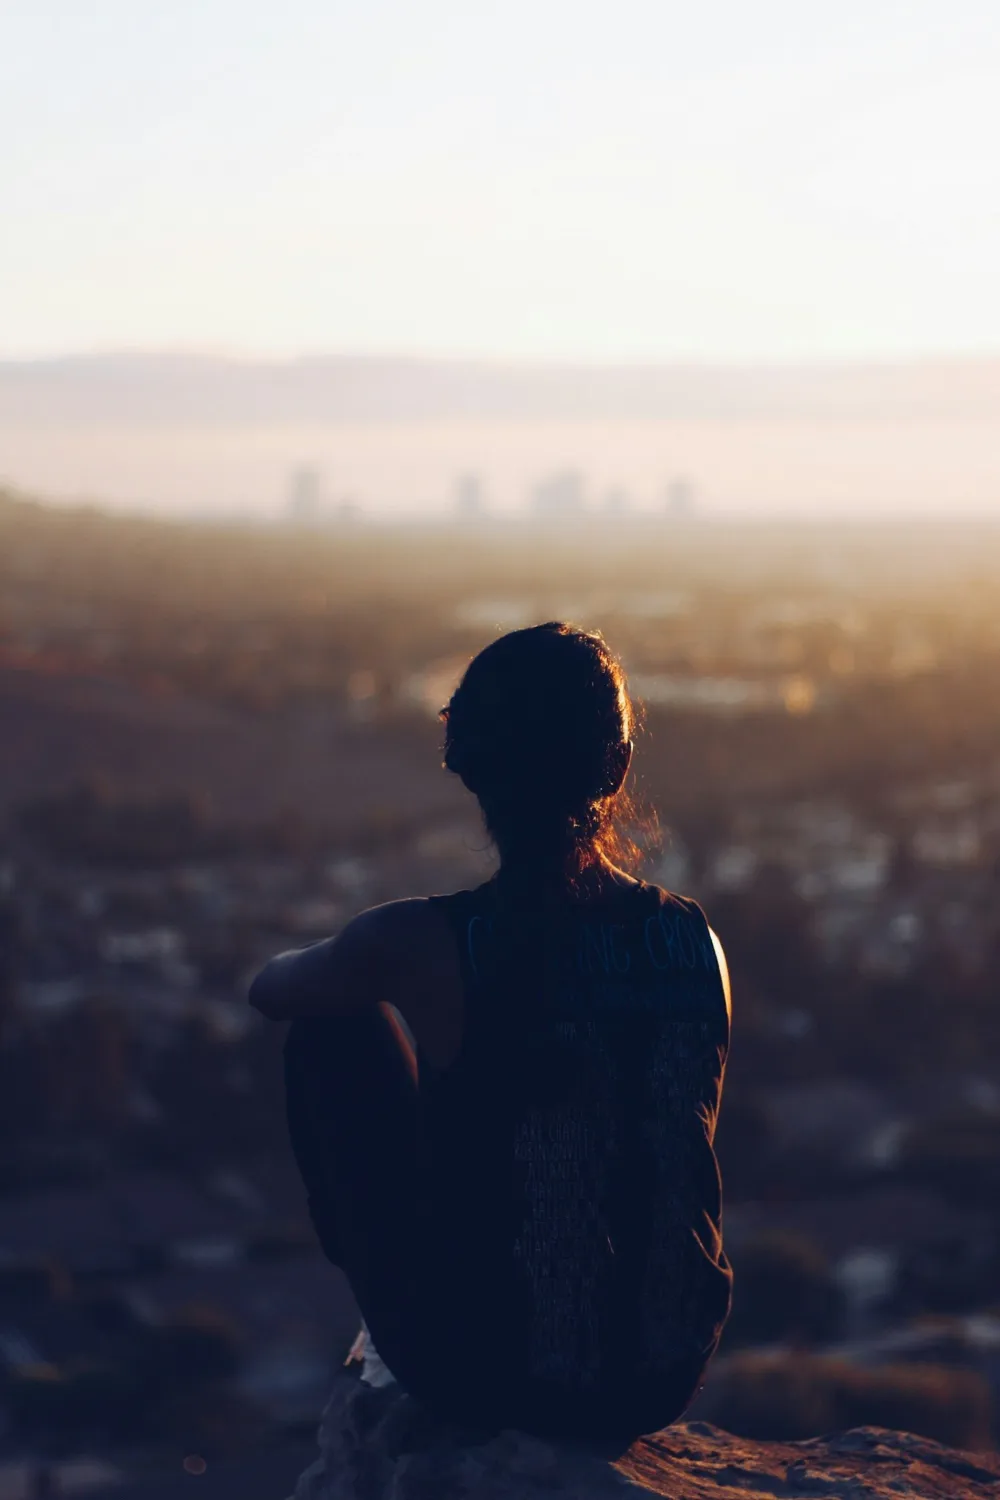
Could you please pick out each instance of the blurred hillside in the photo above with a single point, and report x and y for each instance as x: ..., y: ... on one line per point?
x: 218, y: 741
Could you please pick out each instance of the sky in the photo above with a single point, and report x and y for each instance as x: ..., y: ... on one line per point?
x: 556, y: 179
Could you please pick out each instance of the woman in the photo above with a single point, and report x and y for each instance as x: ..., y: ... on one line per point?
x: 527, y: 1201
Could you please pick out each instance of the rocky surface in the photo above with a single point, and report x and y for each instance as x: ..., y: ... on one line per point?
x: 377, y: 1444
x: 693, y: 1461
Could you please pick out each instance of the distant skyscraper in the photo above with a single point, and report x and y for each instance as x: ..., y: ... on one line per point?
x: 559, y: 496
x: 305, y: 496
x: 470, y: 497
x: 617, y: 502
x: 680, y: 498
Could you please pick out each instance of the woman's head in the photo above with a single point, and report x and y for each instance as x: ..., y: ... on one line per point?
x: 540, y: 730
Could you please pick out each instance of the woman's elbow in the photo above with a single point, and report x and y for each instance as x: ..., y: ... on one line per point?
x: 265, y: 993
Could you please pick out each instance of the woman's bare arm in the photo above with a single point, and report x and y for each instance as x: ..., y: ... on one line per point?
x: 367, y: 963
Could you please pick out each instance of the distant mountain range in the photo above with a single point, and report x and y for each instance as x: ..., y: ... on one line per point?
x: 155, y: 388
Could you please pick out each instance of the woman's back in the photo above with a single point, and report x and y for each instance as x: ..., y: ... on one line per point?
x: 529, y: 1210
x: 575, y: 1218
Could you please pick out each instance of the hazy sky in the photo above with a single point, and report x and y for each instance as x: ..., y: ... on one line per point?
x: 644, y: 179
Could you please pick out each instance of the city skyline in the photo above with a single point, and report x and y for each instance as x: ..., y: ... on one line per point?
x: 185, y: 436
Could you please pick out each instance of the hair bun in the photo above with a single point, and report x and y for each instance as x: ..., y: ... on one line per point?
x: 535, y: 730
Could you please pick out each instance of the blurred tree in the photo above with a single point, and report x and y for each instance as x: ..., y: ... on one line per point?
x: 197, y: 1346
x: 791, y: 1396
x: 783, y: 1291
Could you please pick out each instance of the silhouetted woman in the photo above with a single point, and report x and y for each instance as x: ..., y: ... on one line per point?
x: 527, y: 1205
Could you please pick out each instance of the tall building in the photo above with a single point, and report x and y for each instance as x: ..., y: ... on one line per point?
x: 681, y: 498
x: 617, y: 501
x: 470, y: 497
x: 305, y: 496
x: 559, y: 496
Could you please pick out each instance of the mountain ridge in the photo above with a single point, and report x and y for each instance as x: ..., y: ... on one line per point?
x: 166, y: 387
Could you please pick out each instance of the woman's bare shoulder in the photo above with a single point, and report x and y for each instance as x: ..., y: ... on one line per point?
x: 415, y: 923
x: 407, y: 956
x: 380, y: 954
x: 720, y: 954
x: 398, y: 947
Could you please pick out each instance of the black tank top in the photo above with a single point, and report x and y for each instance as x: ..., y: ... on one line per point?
x: 576, y: 1201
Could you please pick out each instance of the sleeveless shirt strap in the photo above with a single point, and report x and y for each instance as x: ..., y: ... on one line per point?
x: 464, y: 911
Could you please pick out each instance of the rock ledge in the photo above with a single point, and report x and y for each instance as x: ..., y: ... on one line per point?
x: 378, y: 1444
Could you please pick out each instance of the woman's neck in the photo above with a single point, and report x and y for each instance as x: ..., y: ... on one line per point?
x: 561, y: 880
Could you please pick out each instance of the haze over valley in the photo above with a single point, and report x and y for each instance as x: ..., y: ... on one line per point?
x: 193, y: 435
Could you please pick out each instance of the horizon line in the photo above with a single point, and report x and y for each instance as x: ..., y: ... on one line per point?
x: 220, y: 354
x: 382, y: 517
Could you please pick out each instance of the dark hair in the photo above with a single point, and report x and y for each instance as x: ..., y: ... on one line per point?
x: 538, y: 729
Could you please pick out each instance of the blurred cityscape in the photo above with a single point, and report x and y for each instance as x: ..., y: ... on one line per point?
x: 219, y: 741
